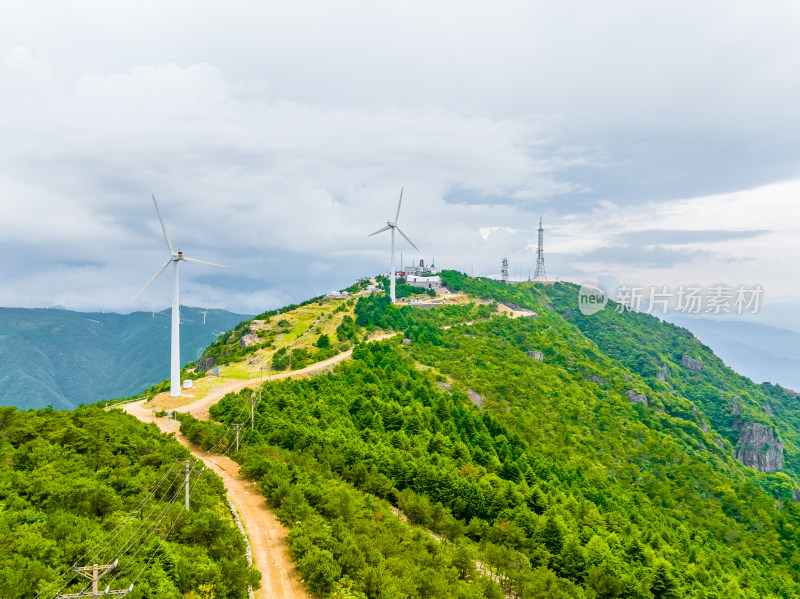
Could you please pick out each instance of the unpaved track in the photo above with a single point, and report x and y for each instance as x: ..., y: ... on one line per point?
x: 267, y: 535
x: 199, y: 408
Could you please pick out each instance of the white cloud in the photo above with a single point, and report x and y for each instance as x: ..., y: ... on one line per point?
x: 768, y: 258
x: 277, y: 136
x: 239, y: 179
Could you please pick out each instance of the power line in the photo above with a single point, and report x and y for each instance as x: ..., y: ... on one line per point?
x: 147, y: 563
x: 127, y: 545
x: 94, y: 573
x: 119, y: 527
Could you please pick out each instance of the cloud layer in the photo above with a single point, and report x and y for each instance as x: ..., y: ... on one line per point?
x: 277, y: 138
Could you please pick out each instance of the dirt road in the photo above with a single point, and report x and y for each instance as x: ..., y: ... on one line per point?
x: 199, y: 408
x: 267, y: 535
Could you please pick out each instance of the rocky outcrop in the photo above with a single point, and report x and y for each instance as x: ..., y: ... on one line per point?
x: 596, y: 379
x: 691, y: 363
x: 661, y: 375
x: 248, y: 339
x: 736, y: 405
x: 206, y: 363
x: 759, y: 448
x: 536, y: 355
x: 475, y: 398
x: 634, y: 397
x: 520, y: 309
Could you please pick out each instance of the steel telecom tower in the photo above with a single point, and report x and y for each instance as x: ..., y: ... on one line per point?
x: 504, y: 271
x: 540, y: 274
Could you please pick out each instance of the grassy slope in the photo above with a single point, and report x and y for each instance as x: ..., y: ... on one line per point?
x: 295, y: 329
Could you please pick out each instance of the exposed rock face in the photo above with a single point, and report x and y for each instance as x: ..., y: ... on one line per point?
x: 517, y: 308
x: 661, y: 375
x: 797, y: 495
x: 767, y: 408
x: 720, y: 443
x: 704, y: 427
x: 444, y: 386
x: 758, y: 447
x: 691, y: 363
x: 536, y: 355
x: 596, y: 379
x: 205, y: 364
x: 736, y: 405
x: 634, y: 397
x: 406, y: 341
x: 248, y: 339
x: 475, y: 398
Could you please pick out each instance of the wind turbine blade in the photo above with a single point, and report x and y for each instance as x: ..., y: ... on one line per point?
x: 163, y: 226
x: 203, y: 262
x: 152, y: 280
x: 386, y: 228
x: 407, y: 239
x: 396, y: 216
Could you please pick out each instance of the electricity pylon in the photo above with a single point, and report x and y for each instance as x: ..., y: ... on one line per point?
x: 540, y: 274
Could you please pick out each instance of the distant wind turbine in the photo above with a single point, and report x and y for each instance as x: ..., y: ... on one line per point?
x: 393, y: 226
x: 174, y: 259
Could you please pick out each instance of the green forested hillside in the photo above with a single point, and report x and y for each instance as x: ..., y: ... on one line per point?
x: 88, y: 486
x: 545, y: 471
x: 64, y: 359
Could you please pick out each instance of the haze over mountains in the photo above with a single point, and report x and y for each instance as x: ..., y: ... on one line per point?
x: 63, y: 358
x: 761, y: 352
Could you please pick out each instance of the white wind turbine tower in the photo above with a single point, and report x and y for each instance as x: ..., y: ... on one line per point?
x: 174, y: 259
x: 393, y: 226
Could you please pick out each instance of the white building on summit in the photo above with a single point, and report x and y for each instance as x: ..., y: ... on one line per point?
x: 429, y: 282
x: 421, y: 269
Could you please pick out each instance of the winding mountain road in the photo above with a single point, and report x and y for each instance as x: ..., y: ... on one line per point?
x: 267, y: 535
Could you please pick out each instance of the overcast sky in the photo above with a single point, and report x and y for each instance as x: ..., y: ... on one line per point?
x: 659, y: 141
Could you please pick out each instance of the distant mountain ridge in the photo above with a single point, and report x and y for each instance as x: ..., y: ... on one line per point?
x: 64, y: 358
x: 762, y: 352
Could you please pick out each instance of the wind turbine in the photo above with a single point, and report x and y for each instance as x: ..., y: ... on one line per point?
x: 175, y: 258
x: 393, y: 226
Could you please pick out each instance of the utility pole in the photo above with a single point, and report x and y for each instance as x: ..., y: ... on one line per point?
x: 238, y: 427
x: 95, y: 573
x: 187, y: 470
